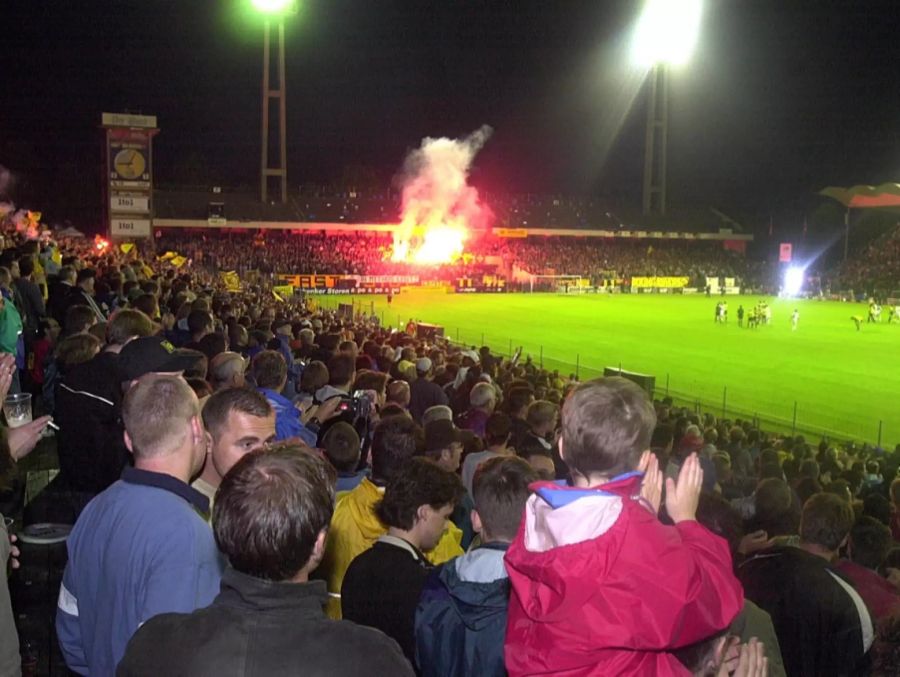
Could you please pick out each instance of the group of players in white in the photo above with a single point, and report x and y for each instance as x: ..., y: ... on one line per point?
x: 761, y: 313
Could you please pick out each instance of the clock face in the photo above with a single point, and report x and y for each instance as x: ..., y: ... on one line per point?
x: 129, y: 163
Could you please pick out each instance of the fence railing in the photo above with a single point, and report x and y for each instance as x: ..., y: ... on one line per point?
x: 727, y: 400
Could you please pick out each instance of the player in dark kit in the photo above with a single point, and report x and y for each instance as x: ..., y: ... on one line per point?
x: 740, y: 316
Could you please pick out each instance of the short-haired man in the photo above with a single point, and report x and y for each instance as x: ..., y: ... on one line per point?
x: 140, y: 548
x: 497, y: 433
x: 226, y: 370
x: 482, y: 401
x: 270, y: 374
x: 239, y: 420
x: 822, y: 623
x: 398, y: 393
x: 461, y: 617
x: 869, y: 544
x: 542, y: 418
x: 444, y: 444
x: 356, y: 526
x: 342, y: 448
x: 270, y: 522
x: 382, y: 586
x: 424, y: 393
x: 341, y: 374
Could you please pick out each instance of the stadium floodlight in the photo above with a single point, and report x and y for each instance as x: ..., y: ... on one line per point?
x: 273, y: 6
x: 666, y: 32
x: 793, y: 281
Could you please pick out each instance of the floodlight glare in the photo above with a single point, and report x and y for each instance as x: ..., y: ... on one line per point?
x: 793, y: 281
x: 271, y: 6
x: 666, y: 32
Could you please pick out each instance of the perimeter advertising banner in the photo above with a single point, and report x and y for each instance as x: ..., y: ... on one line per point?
x: 659, y: 282
x: 348, y: 284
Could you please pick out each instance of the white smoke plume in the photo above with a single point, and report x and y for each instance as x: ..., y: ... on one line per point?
x: 439, y: 207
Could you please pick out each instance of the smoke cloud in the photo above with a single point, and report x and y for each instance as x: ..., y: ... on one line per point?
x: 439, y: 207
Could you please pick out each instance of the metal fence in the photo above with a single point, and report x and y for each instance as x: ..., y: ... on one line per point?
x: 725, y: 400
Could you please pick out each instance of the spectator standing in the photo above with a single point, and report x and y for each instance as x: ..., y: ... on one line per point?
x: 482, y: 401
x: 270, y: 522
x: 497, y: 433
x: 461, y: 617
x: 140, y: 549
x: 869, y: 544
x: 382, y: 586
x: 599, y: 545
x: 28, y: 297
x: 822, y: 623
x: 356, y: 525
x: 270, y: 375
x: 239, y: 421
x: 424, y: 393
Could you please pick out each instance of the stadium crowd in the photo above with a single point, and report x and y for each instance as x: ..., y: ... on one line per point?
x: 367, y: 253
x: 875, y: 271
x: 261, y: 487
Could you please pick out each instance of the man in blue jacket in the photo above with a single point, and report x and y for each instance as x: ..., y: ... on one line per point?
x: 140, y: 548
x: 461, y: 618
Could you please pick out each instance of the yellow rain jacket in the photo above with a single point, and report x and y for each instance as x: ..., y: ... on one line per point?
x: 354, y: 528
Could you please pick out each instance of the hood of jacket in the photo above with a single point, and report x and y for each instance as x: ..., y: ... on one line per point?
x: 327, y: 392
x: 360, y: 503
x: 478, y: 586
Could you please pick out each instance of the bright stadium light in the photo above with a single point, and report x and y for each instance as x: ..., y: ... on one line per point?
x: 272, y: 6
x: 793, y: 281
x: 667, y: 32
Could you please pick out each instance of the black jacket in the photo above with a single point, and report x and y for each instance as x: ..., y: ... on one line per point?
x: 821, y: 630
x: 260, y: 628
x: 30, y: 302
x: 91, y: 445
x: 381, y: 589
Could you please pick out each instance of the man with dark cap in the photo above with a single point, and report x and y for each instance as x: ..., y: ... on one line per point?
x: 424, y: 392
x: 92, y: 452
x: 82, y: 294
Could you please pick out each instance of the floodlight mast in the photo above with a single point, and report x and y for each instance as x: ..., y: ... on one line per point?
x: 276, y: 9
x: 665, y: 35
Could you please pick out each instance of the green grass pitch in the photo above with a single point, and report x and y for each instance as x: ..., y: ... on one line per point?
x: 844, y: 381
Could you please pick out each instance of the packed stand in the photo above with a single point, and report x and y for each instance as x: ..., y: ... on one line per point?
x: 239, y: 469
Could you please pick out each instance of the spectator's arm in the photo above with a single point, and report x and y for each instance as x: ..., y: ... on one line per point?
x: 68, y: 626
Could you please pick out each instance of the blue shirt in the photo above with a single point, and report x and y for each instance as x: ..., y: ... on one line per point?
x: 287, y: 419
x: 139, y: 549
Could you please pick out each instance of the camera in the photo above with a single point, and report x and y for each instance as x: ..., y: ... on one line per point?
x: 354, y: 407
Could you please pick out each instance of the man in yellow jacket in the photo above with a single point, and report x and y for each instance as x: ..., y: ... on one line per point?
x: 354, y: 526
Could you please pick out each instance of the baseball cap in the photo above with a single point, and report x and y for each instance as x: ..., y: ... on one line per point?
x: 441, y: 434
x: 151, y: 354
x: 423, y: 365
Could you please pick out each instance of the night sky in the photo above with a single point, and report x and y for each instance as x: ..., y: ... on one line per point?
x: 783, y: 97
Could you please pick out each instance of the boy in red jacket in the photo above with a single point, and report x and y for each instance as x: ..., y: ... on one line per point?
x: 599, y: 585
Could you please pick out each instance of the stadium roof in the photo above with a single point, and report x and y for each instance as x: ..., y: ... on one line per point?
x: 865, y: 197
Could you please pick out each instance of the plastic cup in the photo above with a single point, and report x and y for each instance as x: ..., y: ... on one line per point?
x: 17, y: 409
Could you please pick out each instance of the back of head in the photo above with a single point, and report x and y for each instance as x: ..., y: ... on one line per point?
x: 826, y: 521
x: 26, y: 266
x: 78, y: 319
x: 500, y: 490
x: 870, y: 542
x: 497, y: 429
x: 224, y: 367
x: 314, y: 376
x: 482, y: 395
x: 420, y: 481
x: 721, y: 518
x: 127, y: 324
x: 518, y: 399
x: 395, y: 441
x: 773, y: 507
x: 212, y: 344
x: 157, y: 411
x: 541, y: 413
x: 341, y: 369
x: 221, y: 403
x: 270, y: 509
x: 269, y: 369
x: 77, y: 349
x: 877, y: 507
x: 606, y: 426
x: 199, y: 320
x: 439, y: 412
x: 342, y: 447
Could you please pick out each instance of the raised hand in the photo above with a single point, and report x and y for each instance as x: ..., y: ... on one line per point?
x: 651, y: 487
x: 682, y: 498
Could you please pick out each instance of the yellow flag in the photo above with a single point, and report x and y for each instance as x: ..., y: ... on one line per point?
x: 126, y: 247
x: 167, y: 256
x: 277, y: 296
x: 231, y: 280
x: 178, y: 261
